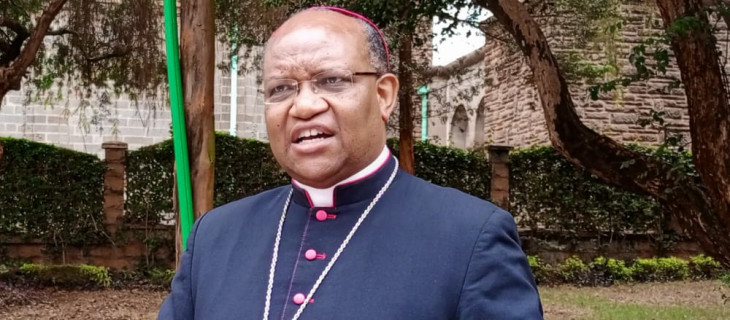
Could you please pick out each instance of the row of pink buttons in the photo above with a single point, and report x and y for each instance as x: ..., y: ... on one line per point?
x: 312, y: 254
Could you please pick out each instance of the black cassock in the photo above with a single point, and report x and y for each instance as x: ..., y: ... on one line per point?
x: 423, y: 252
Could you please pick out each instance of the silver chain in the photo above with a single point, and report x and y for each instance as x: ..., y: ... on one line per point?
x: 334, y: 257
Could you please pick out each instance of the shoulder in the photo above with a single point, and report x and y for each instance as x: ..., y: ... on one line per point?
x: 451, y: 201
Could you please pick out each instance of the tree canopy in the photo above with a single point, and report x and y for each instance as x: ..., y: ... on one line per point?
x: 54, y: 44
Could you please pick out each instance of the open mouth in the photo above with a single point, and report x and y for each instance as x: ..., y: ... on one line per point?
x: 311, y: 135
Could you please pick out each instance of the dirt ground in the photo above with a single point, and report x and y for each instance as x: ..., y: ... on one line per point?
x: 137, y: 304
x: 51, y: 304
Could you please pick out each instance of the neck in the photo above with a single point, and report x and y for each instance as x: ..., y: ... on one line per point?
x: 324, y: 197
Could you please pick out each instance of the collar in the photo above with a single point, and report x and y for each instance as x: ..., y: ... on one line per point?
x: 361, y: 186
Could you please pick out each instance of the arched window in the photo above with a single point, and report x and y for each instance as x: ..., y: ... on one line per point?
x: 459, y: 125
x: 479, y: 127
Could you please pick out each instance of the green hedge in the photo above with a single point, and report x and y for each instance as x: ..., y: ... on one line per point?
x: 450, y: 167
x: 549, y: 192
x: 243, y: 167
x: 607, y: 271
x: 50, y: 193
x: 246, y: 167
x: 67, y: 276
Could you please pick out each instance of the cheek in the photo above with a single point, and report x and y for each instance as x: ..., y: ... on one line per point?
x: 274, y: 124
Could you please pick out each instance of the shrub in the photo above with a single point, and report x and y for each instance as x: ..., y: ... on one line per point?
x: 538, y: 268
x: 468, y: 171
x: 605, y: 271
x: 67, y: 276
x: 645, y: 270
x: 51, y: 194
x: 243, y: 167
x: 724, y: 277
x: 547, y: 191
x: 660, y: 269
x: 703, y: 267
x: 673, y: 269
x: 160, y: 277
x: 573, y: 270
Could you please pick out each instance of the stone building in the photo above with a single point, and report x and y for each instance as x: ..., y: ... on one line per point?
x: 84, y: 124
x: 507, y: 110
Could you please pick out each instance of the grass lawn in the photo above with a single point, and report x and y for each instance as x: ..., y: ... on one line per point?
x: 657, y: 301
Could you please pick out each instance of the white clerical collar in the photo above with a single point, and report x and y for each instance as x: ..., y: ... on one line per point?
x: 325, y: 198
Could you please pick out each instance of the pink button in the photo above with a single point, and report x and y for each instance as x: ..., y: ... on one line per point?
x: 321, y: 215
x: 311, y: 254
x: 299, y: 298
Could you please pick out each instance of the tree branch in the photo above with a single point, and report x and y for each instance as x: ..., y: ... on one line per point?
x: 602, y: 156
x: 462, y: 63
x: 36, y: 38
x: 14, y: 25
x: 60, y: 32
x: 10, y: 77
x: 115, y: 53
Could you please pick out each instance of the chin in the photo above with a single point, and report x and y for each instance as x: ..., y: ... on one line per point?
x: 314, y: 176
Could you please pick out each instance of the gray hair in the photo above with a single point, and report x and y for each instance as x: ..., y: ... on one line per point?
x: 376, y: 48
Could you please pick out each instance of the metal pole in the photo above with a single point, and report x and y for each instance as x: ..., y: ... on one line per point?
x: 423, y: 91
x: 179, y: 136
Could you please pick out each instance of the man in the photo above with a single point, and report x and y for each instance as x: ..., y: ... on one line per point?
x: 352, y: 237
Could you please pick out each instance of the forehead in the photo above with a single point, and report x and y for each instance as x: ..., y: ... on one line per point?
x: 313, y: 40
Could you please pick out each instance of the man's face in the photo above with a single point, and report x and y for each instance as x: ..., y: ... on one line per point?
x: 323, y: 139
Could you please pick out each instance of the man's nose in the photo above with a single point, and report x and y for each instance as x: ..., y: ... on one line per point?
x: 307, y: 103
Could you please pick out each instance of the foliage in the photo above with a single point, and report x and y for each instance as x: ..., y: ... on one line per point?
x: 50, y: 193
x: 67, y: 276
x: 543, y: 272
x: 725, y: 278
x: 607, y: 271
x: 244, y: 167
x: 549, y: 192
x: 604, y: 271
x: 110, y: 45
x: 660, y: 269
x: 450, y: 167
x: 573, y: 270
x: 703, y: 267
x: 160, y: 277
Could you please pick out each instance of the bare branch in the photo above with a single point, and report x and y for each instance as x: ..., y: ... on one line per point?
x: 11, y: 24
x: 462, y: 63
x: 115, y: 53
x: 60, y: 32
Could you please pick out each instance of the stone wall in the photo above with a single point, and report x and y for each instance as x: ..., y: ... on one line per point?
x: 511, y: 108
x: 84, y: 124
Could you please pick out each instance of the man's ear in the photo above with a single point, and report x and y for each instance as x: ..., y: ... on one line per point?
x: 387, y: 90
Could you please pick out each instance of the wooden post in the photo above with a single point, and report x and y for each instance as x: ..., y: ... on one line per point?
x: 115, y: 156
x: 498, y: 159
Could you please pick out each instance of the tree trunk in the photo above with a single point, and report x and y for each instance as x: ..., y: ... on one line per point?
x: 197, y: 59
x: 405, y: 102
x: 699, y: 215
x: 705, y: 84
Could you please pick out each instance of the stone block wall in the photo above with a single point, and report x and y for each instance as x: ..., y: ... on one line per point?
x: 84, y: 124
x: 511, y: 107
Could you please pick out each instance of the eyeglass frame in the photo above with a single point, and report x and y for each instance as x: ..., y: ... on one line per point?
x: 313, y: 79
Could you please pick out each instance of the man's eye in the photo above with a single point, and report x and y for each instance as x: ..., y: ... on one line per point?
x: 332, y: 80
x: 334, y: 83
x: 282, y: 89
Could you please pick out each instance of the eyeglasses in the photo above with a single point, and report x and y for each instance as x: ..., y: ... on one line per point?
x: 330, y: 82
